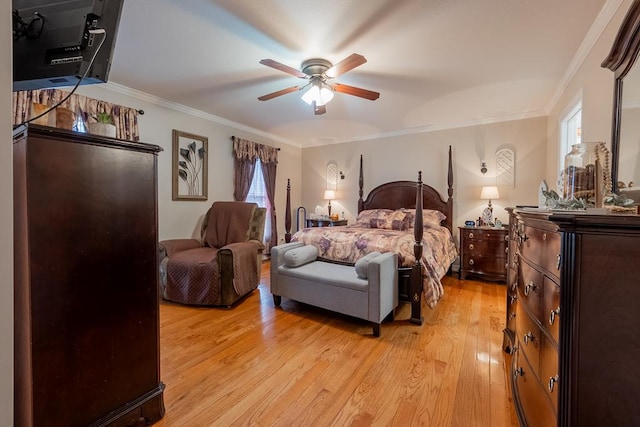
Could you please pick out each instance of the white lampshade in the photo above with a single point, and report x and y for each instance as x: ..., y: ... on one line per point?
x: 329, y: 195
x: 320, y: 94
x: 490, y: 193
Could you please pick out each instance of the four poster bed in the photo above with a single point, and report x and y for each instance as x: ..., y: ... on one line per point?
x: 406, y: 217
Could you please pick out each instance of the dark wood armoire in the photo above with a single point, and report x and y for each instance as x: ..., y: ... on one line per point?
x: 86, y: 284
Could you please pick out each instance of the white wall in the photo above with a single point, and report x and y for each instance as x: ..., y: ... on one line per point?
x: 180, y: 219
x: 596, y: 84
x: 400, y: 158
x: 6, y: 224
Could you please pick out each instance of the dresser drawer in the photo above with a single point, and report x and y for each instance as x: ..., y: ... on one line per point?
x: 549, y: 370
x: 530, y: 289
x: 550, y: 319
x: 541, y: 247
x: 538, y: 410
x: 529, y: 338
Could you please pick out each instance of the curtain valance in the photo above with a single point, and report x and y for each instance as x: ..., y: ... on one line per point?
x: 124, y: 118
x: 245, y: 149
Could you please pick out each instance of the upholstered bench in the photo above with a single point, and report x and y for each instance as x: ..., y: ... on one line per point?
x: 368, y: 290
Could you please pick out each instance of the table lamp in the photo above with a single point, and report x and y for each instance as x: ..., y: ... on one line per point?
x: 489, y: 193
x: 329, y: 195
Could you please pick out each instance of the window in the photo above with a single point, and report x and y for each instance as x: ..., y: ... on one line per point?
x: 258, y: 194
x: 570, y: 134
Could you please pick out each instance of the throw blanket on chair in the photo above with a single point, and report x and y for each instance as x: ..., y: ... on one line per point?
x: 194, y: 275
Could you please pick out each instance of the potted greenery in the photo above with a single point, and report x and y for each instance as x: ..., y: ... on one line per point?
x: 103, y: 125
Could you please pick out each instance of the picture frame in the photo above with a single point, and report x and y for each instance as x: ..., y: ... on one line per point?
x: 189, y: 166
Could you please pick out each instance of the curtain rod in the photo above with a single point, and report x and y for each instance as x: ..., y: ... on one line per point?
x: 232, y: 137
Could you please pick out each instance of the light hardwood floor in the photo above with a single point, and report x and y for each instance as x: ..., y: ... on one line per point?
x: 258, y: 365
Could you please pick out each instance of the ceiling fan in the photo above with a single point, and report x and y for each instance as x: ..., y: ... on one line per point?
x: 320, y: 74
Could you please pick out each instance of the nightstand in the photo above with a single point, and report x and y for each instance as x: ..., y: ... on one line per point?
x: 483, y: 253
x: 325, y: 222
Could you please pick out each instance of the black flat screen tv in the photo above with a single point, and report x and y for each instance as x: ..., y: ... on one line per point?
x: 54, y: 41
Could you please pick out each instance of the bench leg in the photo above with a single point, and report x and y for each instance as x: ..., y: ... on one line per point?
x: 376, y: 329
x: 277, y: 299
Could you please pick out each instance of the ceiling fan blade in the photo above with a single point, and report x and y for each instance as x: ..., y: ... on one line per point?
x: 356, y: 91
x: 279, y: 93
x: 349, y: 63
x: 280, y: 66
x: 319, y: 109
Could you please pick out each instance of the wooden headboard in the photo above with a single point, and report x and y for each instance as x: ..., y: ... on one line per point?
x: 402, y: 194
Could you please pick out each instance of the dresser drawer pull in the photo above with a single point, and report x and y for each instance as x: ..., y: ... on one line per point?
x: 471, y: 235
x: 514, y: 286
x: 553, y: 314
x: 529, y: 337
x: 512, y: 299
x: 552, y: 383
x: 506, y: 250
x: 513, y: 315
x: 471, y: 262
x: 544, y: 236
x: 518, y: 372
x: 471, y: 246
x: 558, y: 262
x: 489, y: 235
x: 522, y: 238
x: 529, y: 287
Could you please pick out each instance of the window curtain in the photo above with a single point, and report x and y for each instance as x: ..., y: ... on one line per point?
x: 245, y: 154
x: 83, y: 107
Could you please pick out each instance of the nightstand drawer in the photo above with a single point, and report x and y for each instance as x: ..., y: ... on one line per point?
x: 498, y: 248
x: 490, y: 234
x: 481, y: 264
x: 483, y: 252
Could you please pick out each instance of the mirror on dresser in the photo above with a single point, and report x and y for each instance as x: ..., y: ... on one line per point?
x: 625, y: 134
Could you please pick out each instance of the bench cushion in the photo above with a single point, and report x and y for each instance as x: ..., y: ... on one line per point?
x: 326, y: 273
x: 300, y: 256
x: 362, y: 265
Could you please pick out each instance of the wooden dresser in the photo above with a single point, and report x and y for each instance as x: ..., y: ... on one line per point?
x: 86, y: 280
x: 573, y: 313
x: 483, y: 253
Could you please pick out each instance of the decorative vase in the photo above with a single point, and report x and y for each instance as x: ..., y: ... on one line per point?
x: 579, y: 172
x: 103, y: 129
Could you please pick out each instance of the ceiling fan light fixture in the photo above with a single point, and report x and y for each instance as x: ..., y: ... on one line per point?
x: 321, y: 94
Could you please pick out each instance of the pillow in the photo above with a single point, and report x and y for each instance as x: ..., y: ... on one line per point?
x: 430, y: 217
x: 362, y: 265
x: 367, y: 217
x: 300, y: 256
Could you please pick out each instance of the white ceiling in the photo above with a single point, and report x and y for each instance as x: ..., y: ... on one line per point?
x: 436, y: 63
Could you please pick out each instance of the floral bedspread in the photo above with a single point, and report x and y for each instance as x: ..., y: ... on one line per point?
x: 351, y: 242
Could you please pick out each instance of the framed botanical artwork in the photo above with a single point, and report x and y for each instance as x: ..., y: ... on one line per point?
x: 189, y: 167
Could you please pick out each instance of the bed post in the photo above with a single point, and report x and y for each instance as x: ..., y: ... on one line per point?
x: 450, y: 192
x: 415, y: 282
x: 287, y: 214
x: 361, y: 184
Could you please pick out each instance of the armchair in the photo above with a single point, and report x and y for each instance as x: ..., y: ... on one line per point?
x: 223, y: 265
